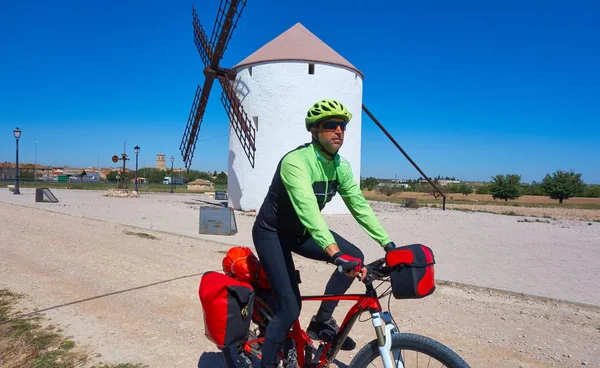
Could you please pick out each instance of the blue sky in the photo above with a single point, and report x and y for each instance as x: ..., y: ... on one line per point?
x: 469, y: 89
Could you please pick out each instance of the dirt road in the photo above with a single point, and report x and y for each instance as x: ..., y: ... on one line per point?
x: 130, y: 295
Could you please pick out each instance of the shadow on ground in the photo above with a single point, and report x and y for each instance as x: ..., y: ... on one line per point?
x: 215, y: 360
x: 210, y: 360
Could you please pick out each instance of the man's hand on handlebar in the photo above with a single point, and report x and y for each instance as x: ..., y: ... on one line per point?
x: 351, y: 266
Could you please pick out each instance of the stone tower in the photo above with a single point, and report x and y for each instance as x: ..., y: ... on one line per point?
x: 160, y: 161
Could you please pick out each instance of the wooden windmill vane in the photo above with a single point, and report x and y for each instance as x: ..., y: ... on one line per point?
x: 211, y: 52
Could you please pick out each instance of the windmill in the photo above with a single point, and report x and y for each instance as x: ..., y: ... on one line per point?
x: 288, y: 71
x: 211, y: 52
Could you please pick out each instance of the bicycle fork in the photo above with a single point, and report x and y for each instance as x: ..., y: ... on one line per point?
x: 384, y: 328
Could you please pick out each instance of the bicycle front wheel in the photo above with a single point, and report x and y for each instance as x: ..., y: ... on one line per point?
x: 413, y: 351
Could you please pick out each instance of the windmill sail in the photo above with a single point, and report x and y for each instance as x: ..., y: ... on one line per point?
x: 204, y: 47
x: 227, y: 17
x: 244, y: 130
x: 211, y: 53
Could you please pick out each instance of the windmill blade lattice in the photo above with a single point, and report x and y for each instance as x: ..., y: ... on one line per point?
x: 227, y: 17
x: 242, y: 126
x: 192, y: 128
x: 202, y: 44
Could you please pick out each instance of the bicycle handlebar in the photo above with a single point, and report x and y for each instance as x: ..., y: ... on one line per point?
x: 348, y: 266
x: 376, y: 270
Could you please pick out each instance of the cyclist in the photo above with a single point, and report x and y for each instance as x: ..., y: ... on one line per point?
x: 290, y: 220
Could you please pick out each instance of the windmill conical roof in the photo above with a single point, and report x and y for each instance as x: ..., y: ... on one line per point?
x: 297, y: 43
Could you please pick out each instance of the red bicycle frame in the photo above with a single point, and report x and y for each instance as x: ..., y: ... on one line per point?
x: 327, y: 351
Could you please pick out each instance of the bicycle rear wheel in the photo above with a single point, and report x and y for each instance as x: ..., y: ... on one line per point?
x: 415, y: 351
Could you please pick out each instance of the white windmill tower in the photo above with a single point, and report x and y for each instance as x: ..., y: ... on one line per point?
x: 276, y: 85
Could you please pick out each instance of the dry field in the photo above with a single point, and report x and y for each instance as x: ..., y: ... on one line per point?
x: 523, y: 206
x: 488, y: 197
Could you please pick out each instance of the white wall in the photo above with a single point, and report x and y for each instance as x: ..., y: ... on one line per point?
x: 280, y: 94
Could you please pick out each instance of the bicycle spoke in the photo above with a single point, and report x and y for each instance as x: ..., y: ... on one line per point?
x: 409, y: 359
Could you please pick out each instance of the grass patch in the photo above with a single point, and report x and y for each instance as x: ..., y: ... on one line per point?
x: 25, y: 343
x: 141, y: 235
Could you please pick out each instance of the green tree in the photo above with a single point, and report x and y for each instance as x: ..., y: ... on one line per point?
x: 221, y: 178
x: 388, y: 190
x: 506, y: 186
x: 592, y: 191
x: 111, y: 176
x: 536, y: 189
x: 453, y: 188
x: 484, y: 189
x: 563, y: 185
x: 430, y: 189
x: 465, y: 189
x: 369, y: 183
x: 192, y: 175
x: 153, y: 175
x: 26, y: 174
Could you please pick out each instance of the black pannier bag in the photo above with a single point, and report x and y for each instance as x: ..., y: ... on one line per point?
x: 414, y: 278
x: 227, y: 305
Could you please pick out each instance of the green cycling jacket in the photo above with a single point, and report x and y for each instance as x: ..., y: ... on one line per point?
x: 305, y: 181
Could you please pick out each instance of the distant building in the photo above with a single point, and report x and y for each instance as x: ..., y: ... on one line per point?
x: 160, y: 161
x: 446, y: 182
x: 200, y: 185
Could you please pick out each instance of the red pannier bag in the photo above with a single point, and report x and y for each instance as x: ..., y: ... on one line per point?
x: 241, y: 264
x: 414, y: 277
x: 227, y: 306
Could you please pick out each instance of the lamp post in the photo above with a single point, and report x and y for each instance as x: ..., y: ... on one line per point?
x: 17, y: 133
x: 172, y: 181
x: 136, y: 149
x: 35, y: 167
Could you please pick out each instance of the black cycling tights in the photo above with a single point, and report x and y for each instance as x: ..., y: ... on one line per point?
x: 275, y: 254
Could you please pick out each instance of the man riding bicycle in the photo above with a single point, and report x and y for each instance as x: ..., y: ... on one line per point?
x: 290, y: 220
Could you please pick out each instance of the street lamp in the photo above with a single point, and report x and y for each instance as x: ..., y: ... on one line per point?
x: 136, y: 149
x: 35, y: 168
x: 172, y: 181
x: 17, y: 133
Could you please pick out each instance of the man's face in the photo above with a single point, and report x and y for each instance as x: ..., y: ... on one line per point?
x: 331, y: 134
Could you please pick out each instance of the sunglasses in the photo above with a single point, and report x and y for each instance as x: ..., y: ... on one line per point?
x: 332, y: 125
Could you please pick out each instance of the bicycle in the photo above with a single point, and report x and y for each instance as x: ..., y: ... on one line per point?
x: 396, y: 350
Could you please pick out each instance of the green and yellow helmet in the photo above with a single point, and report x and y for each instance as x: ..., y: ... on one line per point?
x: 326, y: 109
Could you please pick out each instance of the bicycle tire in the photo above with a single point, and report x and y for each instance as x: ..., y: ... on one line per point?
x: 413, y: 343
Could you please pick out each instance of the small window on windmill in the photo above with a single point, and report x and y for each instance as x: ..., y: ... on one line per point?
x: 250, y: 70
x: 311, y: 68
x: 255, y: 120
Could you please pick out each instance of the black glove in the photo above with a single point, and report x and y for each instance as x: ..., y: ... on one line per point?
x: 389, y: 246
x: 346, y: 263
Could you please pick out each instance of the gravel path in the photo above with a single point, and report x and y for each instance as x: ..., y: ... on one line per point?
x: 132, y: 298
x: 558, y: 259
